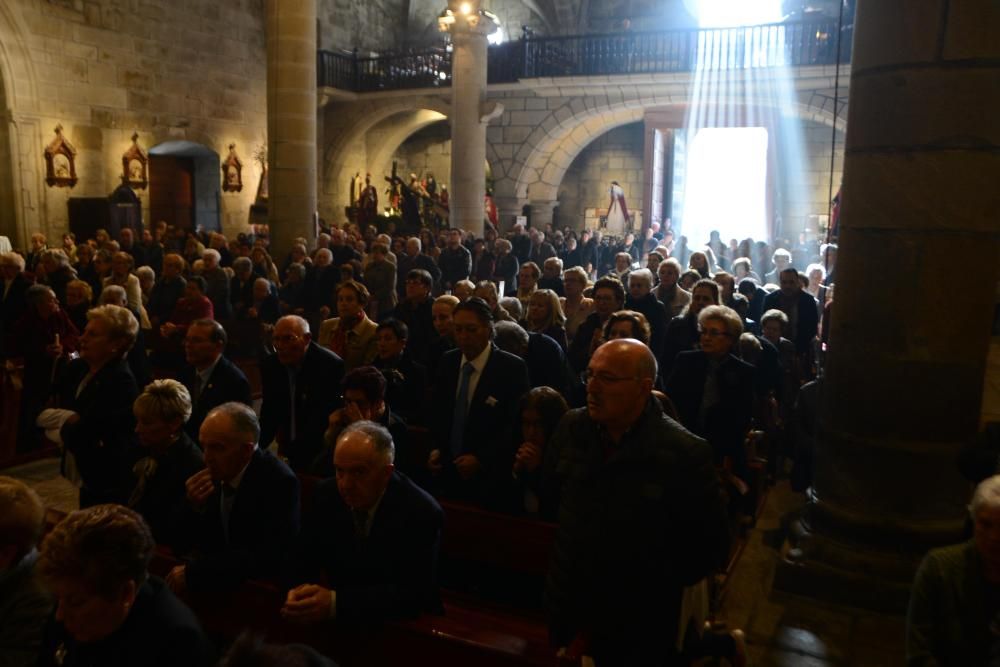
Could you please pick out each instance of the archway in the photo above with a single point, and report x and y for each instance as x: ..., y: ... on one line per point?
x: 184, y: 185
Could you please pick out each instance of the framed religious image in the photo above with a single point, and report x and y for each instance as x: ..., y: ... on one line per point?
x: 60, y: 161
x: 135, y: 165
x: 232, y: 172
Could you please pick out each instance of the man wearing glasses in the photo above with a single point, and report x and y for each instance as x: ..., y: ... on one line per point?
x: 641, y: 515
x: 301, y: 387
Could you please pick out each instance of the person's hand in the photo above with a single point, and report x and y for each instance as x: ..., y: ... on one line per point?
x: 176, y: 580
x: 528, y: 458
x: 467, y: 466
x: 434, y: 462
x: 308, y: 603
x: 199, y: 487
x: 54, y: 350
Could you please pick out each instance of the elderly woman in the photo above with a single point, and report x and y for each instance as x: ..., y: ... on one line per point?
x: 506, y: 268
x: 682, y: 331
x: 110, y: 610
x: 168, y: 289
x: 41, y: 337
x: 99, y: 389
x: 351, y: 335
x: 217, y: 284
x: 170, y: 456
x: 712, y: 389
x: 627, y: 324
x: 138, y: 360
x: 699, y: 262
x: 668, y: 292
x: 25, y: 605
x: 545, y: 316
x: 575, y: 305
x: 241, y: 285
x: 147, y: 279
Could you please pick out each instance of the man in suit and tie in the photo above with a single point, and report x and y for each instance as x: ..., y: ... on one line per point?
x: 210, y: 378
x: 475, y: 399
x: 372, y: 532
x: 243, y: 508
x: 301, y: 387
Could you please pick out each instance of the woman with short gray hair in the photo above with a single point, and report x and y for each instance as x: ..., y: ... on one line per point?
x: 171, y: 456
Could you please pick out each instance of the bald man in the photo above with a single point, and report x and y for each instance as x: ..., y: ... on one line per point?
x: 373, y: 535
x: 641, y: 514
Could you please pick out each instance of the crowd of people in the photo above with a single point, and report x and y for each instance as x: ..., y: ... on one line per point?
x: 626, y: 390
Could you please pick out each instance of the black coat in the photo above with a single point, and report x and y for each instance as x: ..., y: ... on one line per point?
x: 160, y: 631
x: 164, y: 298
x: 263, y: 525
x: 390, y: 574
x: 681, y: 336
x: 656, y: 314
x: 420, y: 321
x: 488, y: 422
x: 406, y: 386
x: 226, y: 383
x: 807, y: 316
x: 547, y: 365
x: 161, y: 500
x: 637, y: 523
x: 317, y: 394
x: 726, y: 423
x: 103, y: 440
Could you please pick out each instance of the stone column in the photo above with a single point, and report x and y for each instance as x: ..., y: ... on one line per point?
x: 908, y: 347
x: 291, y: 120
x: 541, y: 213
x: 468, y: 129
x: 508, y: 208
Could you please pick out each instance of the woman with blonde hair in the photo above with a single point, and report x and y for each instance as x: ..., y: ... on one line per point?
x: 545, y: 316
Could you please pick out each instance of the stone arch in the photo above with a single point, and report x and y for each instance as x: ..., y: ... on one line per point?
x: 346, y: 140
x: 540, y: 164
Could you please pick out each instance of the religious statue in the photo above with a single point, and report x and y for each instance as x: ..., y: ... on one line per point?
x: 617, y: 219
x: 368, y: 203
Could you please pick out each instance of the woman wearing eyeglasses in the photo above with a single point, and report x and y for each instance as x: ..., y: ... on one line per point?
x: 713, y: 389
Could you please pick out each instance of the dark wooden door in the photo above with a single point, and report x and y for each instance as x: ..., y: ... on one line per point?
x: 171, y: 190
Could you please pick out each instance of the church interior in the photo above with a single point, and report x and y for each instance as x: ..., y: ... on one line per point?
x: 216, y: 161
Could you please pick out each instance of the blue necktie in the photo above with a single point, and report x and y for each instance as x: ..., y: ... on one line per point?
x: 461, y: 409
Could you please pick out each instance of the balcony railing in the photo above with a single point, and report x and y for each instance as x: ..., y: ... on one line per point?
x: 792, y: 44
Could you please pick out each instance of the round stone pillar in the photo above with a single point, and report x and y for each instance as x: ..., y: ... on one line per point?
x: 468, y: 130
x: 910, y: 336
x: 291, y: 121
x: 542, y: 213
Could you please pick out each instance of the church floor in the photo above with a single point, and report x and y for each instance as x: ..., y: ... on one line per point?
x: 782, y: 630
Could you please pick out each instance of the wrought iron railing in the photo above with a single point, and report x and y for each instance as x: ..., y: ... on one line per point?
x: 793, y: 43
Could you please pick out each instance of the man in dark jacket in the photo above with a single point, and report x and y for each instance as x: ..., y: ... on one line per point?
x: 641, y: 515
x: 455, y: 261
x: 373, y: 533
x: 210, y: 378
x: 413, y: 259
x: 800, y: 307
x: 243, y: 512
x: 475, y: 398
x: 301, y: 387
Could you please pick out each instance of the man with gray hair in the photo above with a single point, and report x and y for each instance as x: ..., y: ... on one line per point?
x: 242, y: 511
x: 413, y: 258
x: 544, y: 357
x: 372, y: 533
x: 954, y: 609
x: 628, y: 480
x: 642, y: 299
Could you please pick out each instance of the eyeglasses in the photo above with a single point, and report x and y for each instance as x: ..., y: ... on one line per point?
x: 605, y: 378
x: 713, y: 333
x: 284, y: 340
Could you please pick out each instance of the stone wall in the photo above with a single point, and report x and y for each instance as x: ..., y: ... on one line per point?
x: 105, y: 69
x: 370, y: 26
x: 614, y: 156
